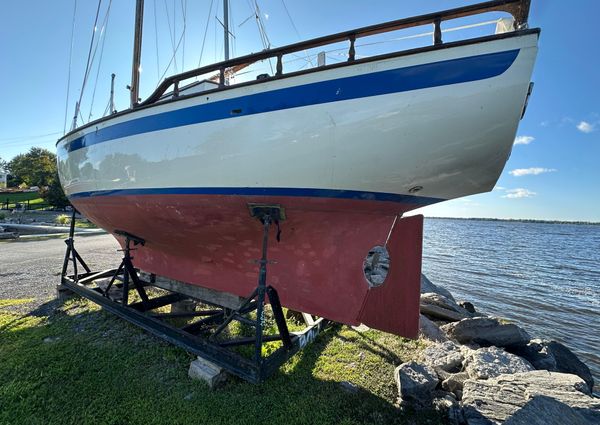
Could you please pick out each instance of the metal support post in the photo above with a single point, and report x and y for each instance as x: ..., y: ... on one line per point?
x: 201, y: 336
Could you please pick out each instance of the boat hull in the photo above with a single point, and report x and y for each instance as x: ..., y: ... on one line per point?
x: 345, y: 151
x: 318, y: 264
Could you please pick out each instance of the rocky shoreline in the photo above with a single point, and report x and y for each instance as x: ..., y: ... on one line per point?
x: 484, y: 370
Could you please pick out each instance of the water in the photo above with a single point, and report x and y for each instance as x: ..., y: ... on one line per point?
x: 543, y: 276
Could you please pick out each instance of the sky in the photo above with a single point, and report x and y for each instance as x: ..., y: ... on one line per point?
x: 552, y: 173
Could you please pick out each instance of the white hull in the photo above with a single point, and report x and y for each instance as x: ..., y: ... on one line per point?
x: 451, y: 140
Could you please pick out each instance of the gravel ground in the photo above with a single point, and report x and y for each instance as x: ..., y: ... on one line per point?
x: 31, y: 269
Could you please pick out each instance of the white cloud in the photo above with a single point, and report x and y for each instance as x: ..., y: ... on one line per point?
x: 524, y: 140
x: 534, y: 171
x: 267, y: 16
x: 586, y: 127
x: 499, y: 188
x: 518, y: 193
x: 545, y: 123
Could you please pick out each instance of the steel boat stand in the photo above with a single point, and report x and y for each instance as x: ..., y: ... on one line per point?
x: 209, y: 336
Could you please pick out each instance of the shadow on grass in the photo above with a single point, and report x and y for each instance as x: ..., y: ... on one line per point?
x: 74, y: 363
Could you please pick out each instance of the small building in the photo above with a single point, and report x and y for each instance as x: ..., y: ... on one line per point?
x: 3, y: 178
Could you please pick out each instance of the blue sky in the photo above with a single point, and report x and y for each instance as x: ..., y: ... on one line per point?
x: 552, y: 174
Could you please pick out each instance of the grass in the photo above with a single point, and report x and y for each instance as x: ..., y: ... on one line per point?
x: 22, y: 198
x: 14, y: 302
x: 81, y: 365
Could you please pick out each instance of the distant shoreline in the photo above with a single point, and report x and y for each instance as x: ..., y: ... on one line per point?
x: 520, y: 220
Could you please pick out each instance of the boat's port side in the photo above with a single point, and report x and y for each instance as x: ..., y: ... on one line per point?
x: 218, y: 77
x: 221, y: 73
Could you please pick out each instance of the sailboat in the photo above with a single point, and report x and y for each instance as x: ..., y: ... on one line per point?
x: 343, y: 151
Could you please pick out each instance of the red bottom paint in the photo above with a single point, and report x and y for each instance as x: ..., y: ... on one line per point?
x: 211, y: 241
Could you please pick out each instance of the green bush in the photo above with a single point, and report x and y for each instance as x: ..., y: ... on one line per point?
x: 63, y: 219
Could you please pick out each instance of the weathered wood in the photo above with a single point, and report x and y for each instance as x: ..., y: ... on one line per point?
x: 224, y: 299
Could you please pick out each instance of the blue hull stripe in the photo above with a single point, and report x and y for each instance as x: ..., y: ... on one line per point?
x: 271, y: 191
x: 416, y: 77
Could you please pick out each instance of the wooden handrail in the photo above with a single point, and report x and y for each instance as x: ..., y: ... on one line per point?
x: 519, y: 9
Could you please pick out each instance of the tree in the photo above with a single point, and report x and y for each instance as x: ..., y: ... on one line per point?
x: 34, y: 168
x: 38, y: 168
x: 54, y: 195
x: 3, y: 166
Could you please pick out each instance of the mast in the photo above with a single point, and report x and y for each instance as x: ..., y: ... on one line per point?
x: 137, y: 52
x: 111, y: 106
x: 226, y: 28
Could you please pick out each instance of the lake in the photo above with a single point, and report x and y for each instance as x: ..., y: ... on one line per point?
x: 543, y: 276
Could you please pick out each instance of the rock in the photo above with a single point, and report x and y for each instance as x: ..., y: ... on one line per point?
x: 555, y: 357
x: 349, y: 387
x: 467, y: 306
x: 447, y: 404
x: 536, y: 352
x: 183, y: 306
x: 207, y: 371
x: 454, y: 383
x: 428, y: 329
x: 415, y: 382
x: 362, y: 328
x: 441, y: 301
x: 551, y: 409
x: 512, y: 397
x: 490, y: 362
x: 445, y: 356
x: 427, y: 286
x: 486, y: 331
x: 567, y: 362
x: 443, y: 400
x: 441, y: 313
x: 441, y: 307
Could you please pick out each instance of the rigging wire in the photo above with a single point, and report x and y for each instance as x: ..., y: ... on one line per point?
x: 156, y: 41
x: 232, y: 31
x: 342, y: 51
x: 103, y: 37
x: 172, y: 36
x: 308, y: 59
x: 261, y: 29
x: 183, y: 13
x: 70, y: 63
x: 173, y: 57
x: 88, y: 65
x: 215, y: 29
x: 205, y: 32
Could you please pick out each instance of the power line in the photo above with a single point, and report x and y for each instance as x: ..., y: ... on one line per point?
x: 16, y: 138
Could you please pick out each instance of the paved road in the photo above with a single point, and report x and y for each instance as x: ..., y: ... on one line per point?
x: 31, y: 269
